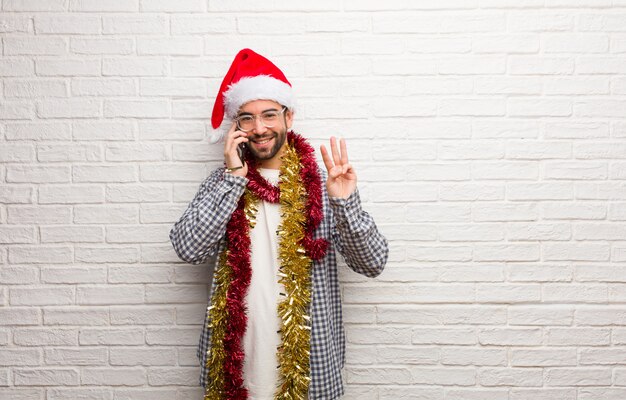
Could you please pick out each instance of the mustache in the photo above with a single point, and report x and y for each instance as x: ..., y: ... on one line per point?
x: 256, y: 138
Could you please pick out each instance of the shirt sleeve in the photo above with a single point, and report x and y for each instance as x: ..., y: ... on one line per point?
x: 356, y: 236
x: 197, y: 234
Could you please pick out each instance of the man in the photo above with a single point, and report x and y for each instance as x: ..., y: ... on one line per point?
x: 273, y: 328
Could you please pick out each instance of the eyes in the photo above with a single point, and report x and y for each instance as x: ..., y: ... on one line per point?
x: 268, y: 118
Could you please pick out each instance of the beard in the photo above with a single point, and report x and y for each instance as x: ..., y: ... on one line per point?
x: 278, y: 138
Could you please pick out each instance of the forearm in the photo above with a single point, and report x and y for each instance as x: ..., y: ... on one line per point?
x: 357, y: 238
x: 199, y: 230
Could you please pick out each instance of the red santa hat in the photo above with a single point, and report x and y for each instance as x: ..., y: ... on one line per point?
x: 250, y: 77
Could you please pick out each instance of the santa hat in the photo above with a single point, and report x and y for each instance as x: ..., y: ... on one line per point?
x: 250, y: 77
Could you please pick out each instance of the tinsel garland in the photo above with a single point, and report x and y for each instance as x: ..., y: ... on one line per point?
x: 300, y: 197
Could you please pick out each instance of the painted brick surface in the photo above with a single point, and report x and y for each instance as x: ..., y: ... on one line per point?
x: 488, y: 136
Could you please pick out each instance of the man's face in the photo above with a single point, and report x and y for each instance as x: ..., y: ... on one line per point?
x: 266, y: 143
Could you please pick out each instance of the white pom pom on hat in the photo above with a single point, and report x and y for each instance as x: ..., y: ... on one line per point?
x: 250, y: 77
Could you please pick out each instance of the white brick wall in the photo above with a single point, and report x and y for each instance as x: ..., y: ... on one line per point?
x: 489, y: 140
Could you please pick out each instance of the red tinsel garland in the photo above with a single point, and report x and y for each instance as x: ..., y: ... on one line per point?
x: 237, y: 232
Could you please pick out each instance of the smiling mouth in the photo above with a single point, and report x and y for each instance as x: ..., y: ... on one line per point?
x: 263, y: 141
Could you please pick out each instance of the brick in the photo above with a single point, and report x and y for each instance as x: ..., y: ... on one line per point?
x: 538, y: 231
x: 14, y: 23
x: 170, y: 46
x: 473, y: 356
x: 15, y: 194
x: 103, y: 87
x: 178, y: 131
x: 118, y: 336
x: 133, y: 152
x: 41, y: 296
x: 71, y: 108
x: 40, y: 255
x: 179, y: 376
x: 390, y: 293
x: 80, y: 393
x: 578, y: 252
x: 128, y: 66
x: 565, y: 130
x: 152, y: 274
x: 202, y: 24
x: 61, y: 194
x: 581, y: 211
x: 45, y: 337
x: 434, y: 315
x: 113, y: 377
x: 142, y: 316
x: 23, y: 393
x: 20, y: 357
x: 49, y: 215
x: 45, y: 377
x: 35, y: 88
x: 96, y: 130
x: 77, y: 316
x: 75, y: 357
x: 510, y: 252
x: 510, y: 336
x: 19, y: 316
x: 136, y: 109
x: 378, y: 375
x: 137, y: 193
x: 180, y: 172
x: 595, y: 393
x: 106, y: 254
x: 38, y: 131
x: 419, y: 85
x: 16, y: 67
x: 131, y: 356
x: 577, y: 337
x: 71, y: 233
x: 112, y: 294
x: 601, y: 356
x: 74, y: 275
x: 462, y: 150
x: 134, y: 24
x: 508, y: 293
x: 172, y: 336
x: 406, y: 355
x: 16, y: 110
x: 104, y: 173
x: 148, y: 394
x: 533, y: 65
x: 540, y: 315
x: 34, y: 46
x: 443, y: 336
x: 17, y: 235
x: 19, y: 275
x: 469, y: 191
x: 577, y: 376
x: 109, y: 6
x: 74, y: 24
x: 176, y: 294
x: 477, y: 394
x: 106, y: 214
x: 528, y: 377
x: 188, y: 109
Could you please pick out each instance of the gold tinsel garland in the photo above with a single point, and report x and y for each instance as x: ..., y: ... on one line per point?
x: 218, y: 313
x: 294, y: 275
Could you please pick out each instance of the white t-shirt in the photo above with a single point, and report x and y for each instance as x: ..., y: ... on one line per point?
x: 260, y: 342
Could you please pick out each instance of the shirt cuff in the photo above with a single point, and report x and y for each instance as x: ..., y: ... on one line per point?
x: 346, y: 211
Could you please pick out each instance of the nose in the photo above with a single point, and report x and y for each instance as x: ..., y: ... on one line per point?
x: 258, y: 125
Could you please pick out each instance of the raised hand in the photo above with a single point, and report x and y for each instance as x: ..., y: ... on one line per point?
x: 341, y: 180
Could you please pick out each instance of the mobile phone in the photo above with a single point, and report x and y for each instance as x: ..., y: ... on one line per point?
x: 241, y: 150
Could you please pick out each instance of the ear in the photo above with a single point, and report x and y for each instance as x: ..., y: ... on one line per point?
x: 289, y: 118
